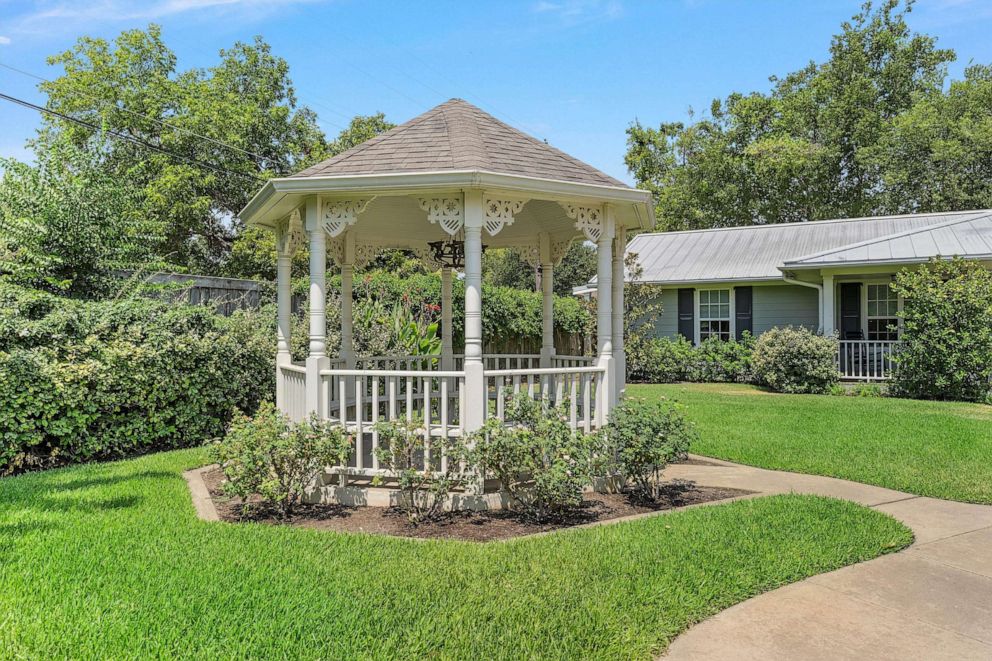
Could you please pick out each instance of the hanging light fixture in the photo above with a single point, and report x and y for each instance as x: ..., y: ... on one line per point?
x: 450, y: 253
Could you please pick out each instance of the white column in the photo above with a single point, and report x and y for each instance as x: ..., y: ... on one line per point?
x: 604, y: 317
x: 619, y: 356
x: 474, y: 414
x: 447, y: 350
x: 827, y: 320
x: 347, y: 351
x: 548, y: 300
x: 317, y: 360
x: 284, y: 294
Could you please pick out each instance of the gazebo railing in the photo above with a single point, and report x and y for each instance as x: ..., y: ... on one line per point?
x: 578, y: 389
x: 294, y: 388
x: 434, y: 400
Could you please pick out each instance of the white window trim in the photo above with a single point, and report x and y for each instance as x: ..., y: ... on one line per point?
x: 698, y: 320
x: 864, y: 307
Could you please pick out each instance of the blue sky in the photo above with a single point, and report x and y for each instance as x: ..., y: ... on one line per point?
x: 574, y: 72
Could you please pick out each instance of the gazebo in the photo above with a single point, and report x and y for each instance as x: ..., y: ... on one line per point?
x: 444, y: 185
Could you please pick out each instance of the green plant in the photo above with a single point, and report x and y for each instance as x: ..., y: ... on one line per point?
x: 644, y: 436
x: 795, y: 360
x: 423, y: 486
x: 276, y: 459
x: 540, y: 461
x: 660, y: 359
x: 83, y: 380
x: 946, y: 350
x: 868, y: 390
x: 837, y: 390
x: 717, y: 360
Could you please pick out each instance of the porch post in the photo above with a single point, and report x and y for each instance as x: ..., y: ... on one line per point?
x: 827, y: 319
x: 474, y: 414
x: 317, y: 360
x: 284, y: 263
x: 347, y: 304
x: 604, y: 317
x: 447, y: 351
x: 619, y: 356
x: 548, y: 300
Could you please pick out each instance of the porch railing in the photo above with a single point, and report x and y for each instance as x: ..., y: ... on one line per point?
x: 866, y: 360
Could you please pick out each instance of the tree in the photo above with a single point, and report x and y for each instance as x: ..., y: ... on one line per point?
x: 226, y: 128
x: 808, y: 149
x: 946, y: 350
x: 504, y: 267
x: 68, y: 227
x: 253, y: 252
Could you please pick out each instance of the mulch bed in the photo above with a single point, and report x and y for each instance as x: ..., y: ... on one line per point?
x: 469, y: 526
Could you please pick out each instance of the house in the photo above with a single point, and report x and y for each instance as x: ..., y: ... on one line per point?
x: 831, y: 276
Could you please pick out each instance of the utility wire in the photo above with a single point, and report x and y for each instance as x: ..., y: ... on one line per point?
x: 128, y: 138
x: 144, y: 117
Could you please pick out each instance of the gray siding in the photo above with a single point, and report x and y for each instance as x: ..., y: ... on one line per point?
x: 784, y: 305
x: 774, y: 305
x: 668, y: 323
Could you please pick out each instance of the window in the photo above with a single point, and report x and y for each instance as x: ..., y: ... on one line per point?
x: 883, y: 306
x: 714, y: 313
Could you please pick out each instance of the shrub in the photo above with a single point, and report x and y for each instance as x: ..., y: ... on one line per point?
x: 269, y: 456
x: 644, y: 436
x: 660, y: 360
x: 95, y: 380
x: 795, y: 360
x: 539, y: 460
x: 716, y: 360
x: 946, y: 350
x: 422, y: 493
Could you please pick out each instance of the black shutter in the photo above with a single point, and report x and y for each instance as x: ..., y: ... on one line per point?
x: 743, y: 298
x: 687, y: 306
x: 850, y: 311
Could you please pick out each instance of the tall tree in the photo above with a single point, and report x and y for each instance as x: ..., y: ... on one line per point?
x: 807, y: 149
x: 226, y: 128
x: 68, y: 227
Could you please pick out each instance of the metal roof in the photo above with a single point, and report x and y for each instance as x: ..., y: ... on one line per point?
x: 961, y: 237
x: 457, y: 136
x: 758, y: 252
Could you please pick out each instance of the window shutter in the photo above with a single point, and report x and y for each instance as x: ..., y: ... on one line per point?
x: 687, y: 305
x: 744, y: 296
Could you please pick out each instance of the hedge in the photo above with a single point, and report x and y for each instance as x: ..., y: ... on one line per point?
x: 97, y: 380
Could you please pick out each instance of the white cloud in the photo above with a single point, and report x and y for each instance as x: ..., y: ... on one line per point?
x: 4, y: 40
x: 46, y: 16
x: 573, y: 12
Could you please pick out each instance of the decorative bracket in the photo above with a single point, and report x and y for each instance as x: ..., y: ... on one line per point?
x: 448, y: 212
x: 338, y: 215
x: 559, y: 249
x: 500, y: 213
x: 531, y: 254
x: 364, y: 254
x: 289, y: 234
x: 588, y: 220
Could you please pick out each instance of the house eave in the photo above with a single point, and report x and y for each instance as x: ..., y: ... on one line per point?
x: 798, y: 266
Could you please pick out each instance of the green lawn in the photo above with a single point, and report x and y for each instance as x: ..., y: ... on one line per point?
x: 940, y: 449
x: 109, y: 561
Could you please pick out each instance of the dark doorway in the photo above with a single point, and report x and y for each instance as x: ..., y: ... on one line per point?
x: 850, y: 311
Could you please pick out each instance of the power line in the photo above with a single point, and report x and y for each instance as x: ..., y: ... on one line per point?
x: 128, y: 138
x: 138, y: 114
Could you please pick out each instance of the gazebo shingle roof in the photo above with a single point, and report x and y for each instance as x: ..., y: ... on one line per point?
x: 457, y: 136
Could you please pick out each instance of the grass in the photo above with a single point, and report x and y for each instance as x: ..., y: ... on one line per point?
x: 939, y: 449
x: 109, y: 561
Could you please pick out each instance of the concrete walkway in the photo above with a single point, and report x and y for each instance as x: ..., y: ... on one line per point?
x: 931, y: 601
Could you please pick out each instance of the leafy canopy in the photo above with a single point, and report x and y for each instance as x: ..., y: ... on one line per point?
x: 869, y: 131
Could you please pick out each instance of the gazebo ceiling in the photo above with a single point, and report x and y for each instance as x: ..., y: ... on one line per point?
x: 446, y: 151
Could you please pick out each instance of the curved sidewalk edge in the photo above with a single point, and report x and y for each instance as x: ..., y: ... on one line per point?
x: 931, y: 601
